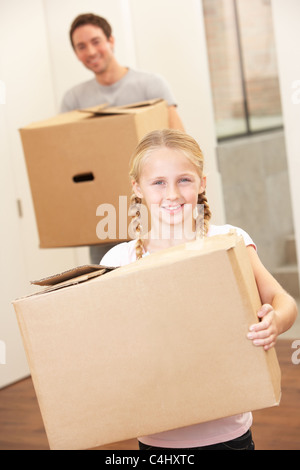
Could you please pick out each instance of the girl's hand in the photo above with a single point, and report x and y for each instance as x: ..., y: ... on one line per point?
x: 266, y: 332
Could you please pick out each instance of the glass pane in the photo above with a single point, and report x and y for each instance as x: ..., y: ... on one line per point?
x: 225, y: 71
x: 260, y: 65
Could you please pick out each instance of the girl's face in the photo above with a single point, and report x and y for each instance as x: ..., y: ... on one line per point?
x: 169, y: 185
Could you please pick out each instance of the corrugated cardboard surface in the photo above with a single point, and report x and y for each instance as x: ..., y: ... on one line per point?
x: 97, y: 142
x: 149, y: 347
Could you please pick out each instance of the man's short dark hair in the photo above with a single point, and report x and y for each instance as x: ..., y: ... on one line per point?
x: 95, y: 20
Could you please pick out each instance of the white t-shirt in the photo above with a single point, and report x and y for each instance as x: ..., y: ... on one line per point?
x: 202, y: 434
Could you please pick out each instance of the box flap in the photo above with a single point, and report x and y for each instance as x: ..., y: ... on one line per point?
x: 71, y: 277
x: 80, y: 114
x: 104, y: 110
x: 71, y: 274
x: 141, y: 104
x: 95, y: 109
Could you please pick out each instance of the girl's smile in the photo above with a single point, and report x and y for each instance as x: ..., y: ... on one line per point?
x: 173, y: 209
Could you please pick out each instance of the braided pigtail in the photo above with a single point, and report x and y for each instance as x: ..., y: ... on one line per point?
x: 203, y: 216
x: 136, y: 227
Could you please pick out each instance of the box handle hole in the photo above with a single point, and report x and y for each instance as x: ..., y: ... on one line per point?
x: 83, y: 177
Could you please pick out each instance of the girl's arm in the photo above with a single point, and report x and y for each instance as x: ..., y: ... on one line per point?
x: 279, y: 310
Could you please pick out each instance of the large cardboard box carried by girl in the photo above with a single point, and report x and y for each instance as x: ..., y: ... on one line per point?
x: 152, y: 346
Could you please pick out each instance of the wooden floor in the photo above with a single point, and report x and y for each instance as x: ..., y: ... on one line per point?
x: 21, y: 426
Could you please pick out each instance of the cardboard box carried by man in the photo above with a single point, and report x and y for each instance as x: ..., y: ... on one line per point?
x: 152, y: 346
x: 77, y: 165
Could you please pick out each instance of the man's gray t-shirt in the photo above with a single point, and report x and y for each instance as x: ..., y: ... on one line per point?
x: 134, y: 87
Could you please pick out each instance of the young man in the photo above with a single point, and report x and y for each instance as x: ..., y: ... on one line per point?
x: 93, y: 43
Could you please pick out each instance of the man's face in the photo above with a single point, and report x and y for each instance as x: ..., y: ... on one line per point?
x: 93, y: 48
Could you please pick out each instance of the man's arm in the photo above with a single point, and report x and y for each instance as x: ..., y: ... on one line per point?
x: 174, y: 119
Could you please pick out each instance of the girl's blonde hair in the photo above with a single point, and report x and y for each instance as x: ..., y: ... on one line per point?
x: 173, y: 139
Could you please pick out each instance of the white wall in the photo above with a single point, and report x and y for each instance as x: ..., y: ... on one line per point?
x: 25, y: 70
x: 13, y: 271
x: 37, y: 65
x: 286, y: 14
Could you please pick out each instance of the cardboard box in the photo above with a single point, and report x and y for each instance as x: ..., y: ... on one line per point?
x: 79, y: 161
x: 152, y: 346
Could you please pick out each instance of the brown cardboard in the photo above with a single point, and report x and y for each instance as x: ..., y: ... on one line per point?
x: 78, y: 161
x: 148, y: 347
x: 71, y: 277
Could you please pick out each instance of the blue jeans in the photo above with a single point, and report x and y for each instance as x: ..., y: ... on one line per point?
x: 244, y: 442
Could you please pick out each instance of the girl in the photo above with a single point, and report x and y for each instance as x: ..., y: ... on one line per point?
x: 167, y: 175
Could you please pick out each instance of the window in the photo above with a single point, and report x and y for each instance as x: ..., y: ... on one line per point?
x: 243, y: 67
